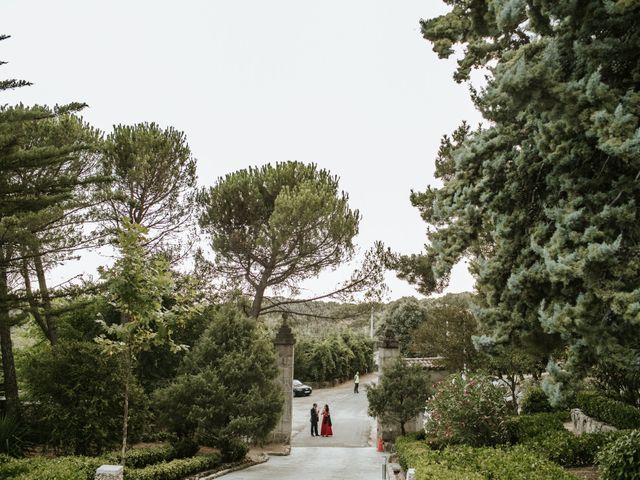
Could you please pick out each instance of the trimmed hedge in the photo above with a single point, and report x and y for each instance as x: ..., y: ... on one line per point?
x: 621, y: 459
x: 61, y: 468
x: 175, y: 469
x: 84, y: 468
x: 417, y: 454
x: 468, y: 463
x: 613, y: 412
x: 569, y: 450
x: 141, y: 457
x: 525, y: 427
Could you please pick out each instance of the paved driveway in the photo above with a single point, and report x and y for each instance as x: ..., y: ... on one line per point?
x: 352, y: 427
x: 348, y: 455
x: 317, y: 463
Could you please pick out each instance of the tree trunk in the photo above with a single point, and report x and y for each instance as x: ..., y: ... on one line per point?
x: 33, y: 306
x: 256, y: 306
x: 125, y: 423
x: 125, y: 420
x: 46, y: 299
x: 8, y: 364
x: 402, y: 430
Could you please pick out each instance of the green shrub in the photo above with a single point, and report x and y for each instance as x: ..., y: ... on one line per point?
x: 141, y: 457
x: 535, y: 401
x: 416, y: 454
x: 467, y: 463
x: 569, y: 450
x: 400, y: 393
x: 184, y: 447
x: 175, y: 469
x: 467, y: 410
x: 233, y: 450
x: 12, y: 434
x: 61, y: 468
x: 620, y: 460
x: 613, y: 412
x: 524, y: 427
x: 79, y: 392
x: 227, y: 385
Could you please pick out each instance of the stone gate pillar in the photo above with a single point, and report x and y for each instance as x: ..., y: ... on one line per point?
x: 388, y: 351
x: 284, y: 343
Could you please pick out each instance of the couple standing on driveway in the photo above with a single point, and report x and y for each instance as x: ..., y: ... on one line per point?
x: 325, y: 430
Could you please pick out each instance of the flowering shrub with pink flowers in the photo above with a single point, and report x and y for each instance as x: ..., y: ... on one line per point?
x: 469, y: 409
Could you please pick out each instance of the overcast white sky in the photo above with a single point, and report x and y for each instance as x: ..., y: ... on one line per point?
x: 349, y: 85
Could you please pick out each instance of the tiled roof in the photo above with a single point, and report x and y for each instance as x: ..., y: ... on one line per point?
x: 431, y: 363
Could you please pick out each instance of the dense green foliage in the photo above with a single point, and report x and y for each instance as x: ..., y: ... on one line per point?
x: 142, y: 457
x: 157, y: 463
x: 174, y: 469
x: 402, y: 317
x: 620, y: 460
x: 273, y: 226
x: 79, y: 395
x: 535, y: 400
x: 400, y: 393
x: 467, y: 409
x: 42, y: 468
x: 467, y: 463
x: 544, y: 198
x: 225, y: 388
x: 620, y: 382
x: 526, y: 427
x: 447, y: 331
x: 607, y: 410
x: 334, y: 357
x: 570, y: 450
x: 12, y: 436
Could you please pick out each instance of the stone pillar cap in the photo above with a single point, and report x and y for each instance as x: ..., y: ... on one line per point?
x: 284, y: 335
x: 110, y: 469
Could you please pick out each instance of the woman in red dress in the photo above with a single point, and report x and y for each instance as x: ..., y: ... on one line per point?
x: 326, y: 430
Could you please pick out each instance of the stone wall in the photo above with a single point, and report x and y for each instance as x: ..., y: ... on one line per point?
x: 583, y: 423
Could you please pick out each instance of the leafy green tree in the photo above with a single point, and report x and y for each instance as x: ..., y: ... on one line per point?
x: 154, y: 179
x: 226, y: 387
x: 274, y: 226
x: 510, y: 363
x: 400, y: 394
x: 544, y: 198
x: 402, y: 317
x: 137, y: 285
x: 447, y: 331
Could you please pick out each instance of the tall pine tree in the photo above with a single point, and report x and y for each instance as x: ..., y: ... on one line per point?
x: 25, y: 206
x: 544, y: 199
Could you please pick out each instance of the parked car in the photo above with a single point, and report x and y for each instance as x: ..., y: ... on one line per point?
x: 300, y: 389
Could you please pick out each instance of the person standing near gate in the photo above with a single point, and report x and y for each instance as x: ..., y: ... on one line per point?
x: 314, y: 420
x: 356, y: 382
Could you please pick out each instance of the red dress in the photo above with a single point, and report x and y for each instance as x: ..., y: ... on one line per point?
x: 325, y: 430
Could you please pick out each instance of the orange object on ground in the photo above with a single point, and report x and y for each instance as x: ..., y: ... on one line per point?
x: 380, y: 446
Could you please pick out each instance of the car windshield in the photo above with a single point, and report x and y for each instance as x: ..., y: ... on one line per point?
x: 297, y: 383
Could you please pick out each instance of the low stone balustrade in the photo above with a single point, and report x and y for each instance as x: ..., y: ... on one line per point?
x: 582, y: 423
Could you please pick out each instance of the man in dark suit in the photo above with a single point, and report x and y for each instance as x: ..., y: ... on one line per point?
x: 314, y: 420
